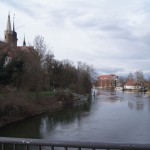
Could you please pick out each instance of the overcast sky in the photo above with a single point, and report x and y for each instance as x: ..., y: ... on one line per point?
x: 111, y: 35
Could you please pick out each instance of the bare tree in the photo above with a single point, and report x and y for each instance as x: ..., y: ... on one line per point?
x: 48, y: 65
x: 122, y: 80
x: 38, y: 56
x: 139, y: 77
x: 130, y: 76
x: 86, y: 76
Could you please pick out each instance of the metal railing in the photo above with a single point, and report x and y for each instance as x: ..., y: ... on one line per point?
x: 42, y: 144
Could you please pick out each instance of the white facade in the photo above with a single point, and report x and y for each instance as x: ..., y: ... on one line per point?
x: 130, y: 87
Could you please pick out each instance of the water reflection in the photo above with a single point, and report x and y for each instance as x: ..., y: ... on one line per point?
x: 63, y: 117
x: 109, y: 116
x: 139, y: 102
x: 138, y: 105
x: 109, y: 96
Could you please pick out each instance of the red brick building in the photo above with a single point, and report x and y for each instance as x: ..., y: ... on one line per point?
x: 107, y: 81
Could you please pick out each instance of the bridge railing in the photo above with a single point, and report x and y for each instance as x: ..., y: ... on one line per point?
x: 42, y: 144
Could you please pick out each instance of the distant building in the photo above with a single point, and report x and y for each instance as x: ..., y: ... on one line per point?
x: 132, y: 85
x: 107, y: 81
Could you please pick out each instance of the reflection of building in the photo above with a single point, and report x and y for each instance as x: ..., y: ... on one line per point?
x: 107, y: 81
x: 138, y: 105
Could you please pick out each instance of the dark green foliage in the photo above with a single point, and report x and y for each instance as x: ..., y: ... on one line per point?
x: 11, y: 72
x: 15, y: 68
x: 4, y: 75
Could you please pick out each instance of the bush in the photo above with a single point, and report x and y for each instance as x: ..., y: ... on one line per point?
x: 14, y: 106
x: 64, y: 97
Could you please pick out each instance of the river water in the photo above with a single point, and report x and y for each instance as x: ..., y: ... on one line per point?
x: 110, y: 116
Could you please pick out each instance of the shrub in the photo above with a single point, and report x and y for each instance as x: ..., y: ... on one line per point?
x: 64, y: 97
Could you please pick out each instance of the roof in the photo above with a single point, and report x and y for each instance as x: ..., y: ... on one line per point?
x: 25, y: 48
x: 107, y: 76
x: 131, y: 83
x: 4, y: 47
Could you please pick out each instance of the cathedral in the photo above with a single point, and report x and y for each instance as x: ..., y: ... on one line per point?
x: 9, y: 44
x: 10, y: 35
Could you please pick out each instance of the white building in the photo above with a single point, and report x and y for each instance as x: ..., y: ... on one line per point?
x: 132, y: 85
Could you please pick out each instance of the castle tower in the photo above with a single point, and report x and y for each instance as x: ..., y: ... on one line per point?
x: 10, y: 36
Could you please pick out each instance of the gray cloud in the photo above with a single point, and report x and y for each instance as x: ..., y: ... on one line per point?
x: 112, y: 34
x: 23, y: 6
x: 108, y: 70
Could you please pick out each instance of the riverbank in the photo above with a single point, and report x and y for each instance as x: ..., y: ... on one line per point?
x: 20, y: 105
x: 111, y: 117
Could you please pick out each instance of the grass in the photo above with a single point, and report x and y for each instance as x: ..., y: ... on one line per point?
x: 47, y: 93
x: 32, y: 94
x: 43, y: 93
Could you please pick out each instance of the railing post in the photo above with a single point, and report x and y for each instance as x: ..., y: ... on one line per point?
x: 40, y: 147
x: 14, y: 147
x: 3, y: 146
x: 52, y: 147
x: 27, y: 147
x: 65, y: 148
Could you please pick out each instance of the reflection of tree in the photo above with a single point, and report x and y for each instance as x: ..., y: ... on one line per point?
x: 65, y: 116
x: 136, y: 104
x: 149, y: 103
x: 27, y: 128
x: 130, y: 105
x: 139, y: 105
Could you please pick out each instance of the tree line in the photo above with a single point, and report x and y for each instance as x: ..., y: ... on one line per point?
x: 36, y: 69
x: 137, y: 76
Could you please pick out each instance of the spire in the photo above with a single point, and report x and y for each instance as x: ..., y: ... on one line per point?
x: 8, y: 23
x: 24, y: 41
x: 13, y: 23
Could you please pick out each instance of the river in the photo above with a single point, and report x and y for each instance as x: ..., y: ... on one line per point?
x: 110, y: 116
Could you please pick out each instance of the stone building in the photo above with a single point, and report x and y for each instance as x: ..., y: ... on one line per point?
x: 9, y: 44
x: 10, y: 35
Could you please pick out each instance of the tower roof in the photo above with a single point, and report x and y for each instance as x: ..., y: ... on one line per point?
x: 24, y: 41
x: 8, y: 23
x: 13, y: 26
x: 14, y: 23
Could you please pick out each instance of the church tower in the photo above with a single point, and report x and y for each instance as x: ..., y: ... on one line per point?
x: 24, y: 41
x: 10, y: 36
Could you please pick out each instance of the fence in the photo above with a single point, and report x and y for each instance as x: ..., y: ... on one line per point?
x: 41, y: 144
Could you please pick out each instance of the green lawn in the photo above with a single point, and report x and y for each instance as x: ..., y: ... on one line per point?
x: 43, y: 93
x: 47, y: 93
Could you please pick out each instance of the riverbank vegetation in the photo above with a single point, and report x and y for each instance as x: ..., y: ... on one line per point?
x: 34, y: 81
x: 19, y: 105
x: 38, y: 70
